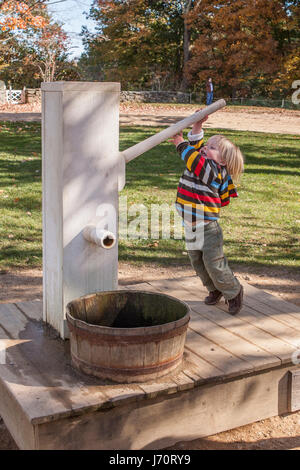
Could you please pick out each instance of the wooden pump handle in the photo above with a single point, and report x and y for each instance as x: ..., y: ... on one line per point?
x: 147, y: 144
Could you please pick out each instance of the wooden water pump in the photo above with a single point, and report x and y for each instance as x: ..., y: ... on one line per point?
x: 83, y: 171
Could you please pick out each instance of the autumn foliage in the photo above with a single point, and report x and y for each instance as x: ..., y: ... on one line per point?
x: 138, y: 42
x: 247, y: 46
x: 33, y: 46
x: 16, y: 14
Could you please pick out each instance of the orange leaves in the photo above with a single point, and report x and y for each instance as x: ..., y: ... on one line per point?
x: 153, y: 245
x: 20, y: 15
x: 240, y: 41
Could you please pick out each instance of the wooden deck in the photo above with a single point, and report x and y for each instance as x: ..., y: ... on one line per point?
x: 236, y: 370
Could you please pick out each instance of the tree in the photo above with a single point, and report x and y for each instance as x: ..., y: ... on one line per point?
x: 186, y: 8
x: 16, y: 14
x: 243, y: 45
x: 36, y: 54
x: 287, y: 35
x: 47, y: 47
x: 142, y: 43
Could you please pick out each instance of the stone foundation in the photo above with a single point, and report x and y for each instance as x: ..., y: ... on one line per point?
x: 155, y: 97
x: 2, y: 96
x: 33, y: 95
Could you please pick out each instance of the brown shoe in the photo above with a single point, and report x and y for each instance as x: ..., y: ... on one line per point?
x: 235, y: 305
x: 213, y: 297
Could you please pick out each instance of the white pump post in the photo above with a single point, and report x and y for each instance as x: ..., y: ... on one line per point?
x: 80, y: 129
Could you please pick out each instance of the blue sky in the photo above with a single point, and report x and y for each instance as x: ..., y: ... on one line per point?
x: 71, y: 13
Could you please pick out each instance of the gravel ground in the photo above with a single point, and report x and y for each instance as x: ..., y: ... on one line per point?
x: 271, y: 120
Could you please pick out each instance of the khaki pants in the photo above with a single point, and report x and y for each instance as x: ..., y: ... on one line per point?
x: 205, y: 250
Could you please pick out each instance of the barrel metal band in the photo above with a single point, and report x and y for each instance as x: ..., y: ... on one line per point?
x: 134, y: 371
x: 96, y: 338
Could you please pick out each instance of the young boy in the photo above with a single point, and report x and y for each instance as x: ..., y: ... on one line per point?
x: 204, y: 187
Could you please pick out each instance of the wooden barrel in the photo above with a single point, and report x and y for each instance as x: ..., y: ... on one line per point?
x: 127, y: 336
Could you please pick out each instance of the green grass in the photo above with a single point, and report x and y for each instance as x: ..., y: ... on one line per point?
x: 261, y: 227
x: 20, y: 195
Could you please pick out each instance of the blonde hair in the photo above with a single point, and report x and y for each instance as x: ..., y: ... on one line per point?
x: 231, y: 155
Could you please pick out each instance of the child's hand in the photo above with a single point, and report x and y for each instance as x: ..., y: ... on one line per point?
x: 197, y: 127
x: 176, y: 139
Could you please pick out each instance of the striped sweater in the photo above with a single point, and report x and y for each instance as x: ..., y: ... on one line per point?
x: 204, y: 186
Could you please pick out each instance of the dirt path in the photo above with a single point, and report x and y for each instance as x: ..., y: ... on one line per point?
x: 272, y: 120
x: 19, y: 285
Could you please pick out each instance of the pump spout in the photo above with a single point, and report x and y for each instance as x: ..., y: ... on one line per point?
x: 103, y: 238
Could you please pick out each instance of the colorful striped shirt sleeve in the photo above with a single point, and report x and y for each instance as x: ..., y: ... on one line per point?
x: 227, y: 190
x: 196, y: 163
x: 196, y: 140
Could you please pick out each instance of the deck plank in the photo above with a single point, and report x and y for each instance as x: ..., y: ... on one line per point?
x: 32, y: 310
x: 209, y: 351
x: 268, y: 324
x: 261, y: 301
x: 37, y: 397
x: 183, y: 381
x: 279, y: 304
x: 257, y: 357
x: 16, y: 323
x: 124, y: 393
x: 11, y: 407
x: 273, y: 309
x: 173, y: 383
x: 274, y: 351
x: 202, y: 367
x: 12, y: 320
x: 239, y: 345
x: 230, y: 365
x: 237, y: 325
x: 162, y: 386
x: 44, y: 380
